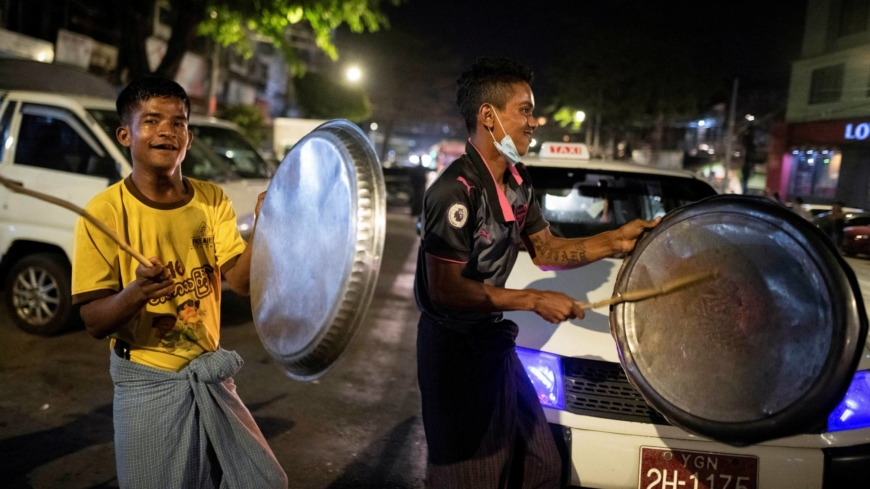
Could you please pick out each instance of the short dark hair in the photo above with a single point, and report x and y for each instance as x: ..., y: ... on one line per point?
x: 145, y: 89
x: 488, y: 80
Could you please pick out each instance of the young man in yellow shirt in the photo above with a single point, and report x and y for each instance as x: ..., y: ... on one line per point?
x: 178, y: 421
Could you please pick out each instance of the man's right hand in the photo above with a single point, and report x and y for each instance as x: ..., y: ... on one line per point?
x: 556, y: 307
x: 153, y: 282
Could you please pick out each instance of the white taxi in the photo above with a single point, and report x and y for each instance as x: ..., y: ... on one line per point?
x: 609, y: 436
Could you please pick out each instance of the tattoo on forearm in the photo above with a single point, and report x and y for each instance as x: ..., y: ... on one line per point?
x: 570, y: 258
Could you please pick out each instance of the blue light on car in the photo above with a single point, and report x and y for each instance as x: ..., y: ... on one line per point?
x: 545, y: 372
x: 854, y: 411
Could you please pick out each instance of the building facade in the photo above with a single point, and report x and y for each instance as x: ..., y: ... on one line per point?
x: 822, y: 152
x: 91, y: 35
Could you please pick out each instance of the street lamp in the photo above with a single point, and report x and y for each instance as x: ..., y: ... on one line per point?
x: 579, y: 116
x: 354, y: 74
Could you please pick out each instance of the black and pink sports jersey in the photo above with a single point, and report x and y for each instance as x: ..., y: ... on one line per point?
x: 468, y: 219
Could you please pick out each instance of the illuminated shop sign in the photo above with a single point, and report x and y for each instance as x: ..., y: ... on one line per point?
x: 860, y: 131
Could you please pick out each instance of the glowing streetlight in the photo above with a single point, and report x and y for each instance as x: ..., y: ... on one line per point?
x: 579, y: 116
x: 374, y: 126
x: 750, y: 117
x: 354, y: 74
x: 702, y: 123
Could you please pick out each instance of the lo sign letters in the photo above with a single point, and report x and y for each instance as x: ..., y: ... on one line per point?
x: 859, y: 132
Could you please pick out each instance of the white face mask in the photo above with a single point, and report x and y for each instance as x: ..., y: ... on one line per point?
x: 507, y: 148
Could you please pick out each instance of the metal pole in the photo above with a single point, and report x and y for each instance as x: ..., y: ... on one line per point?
x: 215, y: 77
x: 729, y: 135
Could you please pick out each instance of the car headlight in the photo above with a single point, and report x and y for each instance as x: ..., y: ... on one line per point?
x: 245, y: 224
x: 862, y: 236
x: 545, y: 372
x: 854, y: 411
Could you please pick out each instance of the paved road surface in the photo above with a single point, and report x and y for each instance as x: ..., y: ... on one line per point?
x: 357, y: 427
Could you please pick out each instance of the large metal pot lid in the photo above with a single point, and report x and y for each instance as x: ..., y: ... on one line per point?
x: 765, y: 350
x: 317, y: 249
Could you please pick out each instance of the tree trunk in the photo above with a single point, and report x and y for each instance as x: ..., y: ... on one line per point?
x: 135, y: 23
x: 188, y: 15
x: 214, y: 79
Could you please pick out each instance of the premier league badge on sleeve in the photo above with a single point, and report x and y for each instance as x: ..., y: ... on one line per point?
x: 457, y: 215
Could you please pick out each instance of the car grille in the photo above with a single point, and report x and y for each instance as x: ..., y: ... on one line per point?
x: 601, y: 389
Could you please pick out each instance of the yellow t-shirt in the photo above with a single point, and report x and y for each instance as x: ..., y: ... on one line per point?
x: 194, y: 239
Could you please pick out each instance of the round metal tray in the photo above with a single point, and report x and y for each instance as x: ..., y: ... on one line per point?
x: 317, y: 249
x: 765, y: 350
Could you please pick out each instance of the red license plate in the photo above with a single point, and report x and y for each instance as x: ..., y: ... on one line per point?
x: 663, y: 468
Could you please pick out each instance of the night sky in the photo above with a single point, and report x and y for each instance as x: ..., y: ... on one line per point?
x: 755, y: 40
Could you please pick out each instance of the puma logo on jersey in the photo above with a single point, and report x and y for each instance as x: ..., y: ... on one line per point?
x: 464, y: 182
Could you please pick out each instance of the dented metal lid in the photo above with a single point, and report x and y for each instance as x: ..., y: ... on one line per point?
x: 765, y: 350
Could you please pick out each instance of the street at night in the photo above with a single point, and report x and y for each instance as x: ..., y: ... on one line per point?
x: 420, y: 244
x: 357, y: 427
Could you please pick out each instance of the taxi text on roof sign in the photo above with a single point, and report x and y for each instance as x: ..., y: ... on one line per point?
x: 572, y: 151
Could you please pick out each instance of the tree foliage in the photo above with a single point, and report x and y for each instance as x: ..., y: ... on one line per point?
x: 237, y: 22
x: 414, y: 81
x: 633, y: 73
x: 627, y: 81
x: 249, y: 119
x: 230, y: 22
x: 323, y: 98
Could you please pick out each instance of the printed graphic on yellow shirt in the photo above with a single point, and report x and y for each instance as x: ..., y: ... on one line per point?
x: 182, y: 331
x: 204, y: 237
x: 198, y: 284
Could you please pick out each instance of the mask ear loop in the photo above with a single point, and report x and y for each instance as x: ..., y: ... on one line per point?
x: 499, y: 123
x: 492, y: 131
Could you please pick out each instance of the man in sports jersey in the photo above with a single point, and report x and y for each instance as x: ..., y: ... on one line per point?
x: 485, y: 427
x: 178, y: 421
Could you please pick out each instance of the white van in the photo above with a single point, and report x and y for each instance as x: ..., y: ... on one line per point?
x: 65, y: 146
x: 575, y: 367
x: 228, y: 142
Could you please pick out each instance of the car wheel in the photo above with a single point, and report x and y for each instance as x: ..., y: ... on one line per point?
x: 38, y: 293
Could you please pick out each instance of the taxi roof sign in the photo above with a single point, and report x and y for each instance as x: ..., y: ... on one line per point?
x: 569, y: 151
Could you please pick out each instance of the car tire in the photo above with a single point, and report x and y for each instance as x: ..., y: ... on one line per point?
x: 38, y: 293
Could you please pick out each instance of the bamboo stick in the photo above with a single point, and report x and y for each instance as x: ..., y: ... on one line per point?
x: 669, y: 287
x: 19, y: 188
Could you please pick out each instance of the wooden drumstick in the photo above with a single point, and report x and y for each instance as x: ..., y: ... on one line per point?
x: 19, y: 188
x: 665, y: 289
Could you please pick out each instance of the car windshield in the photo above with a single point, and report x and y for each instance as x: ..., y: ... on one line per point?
x: 200, y: 163
x: 231, y: 145
x: 581, y: 203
